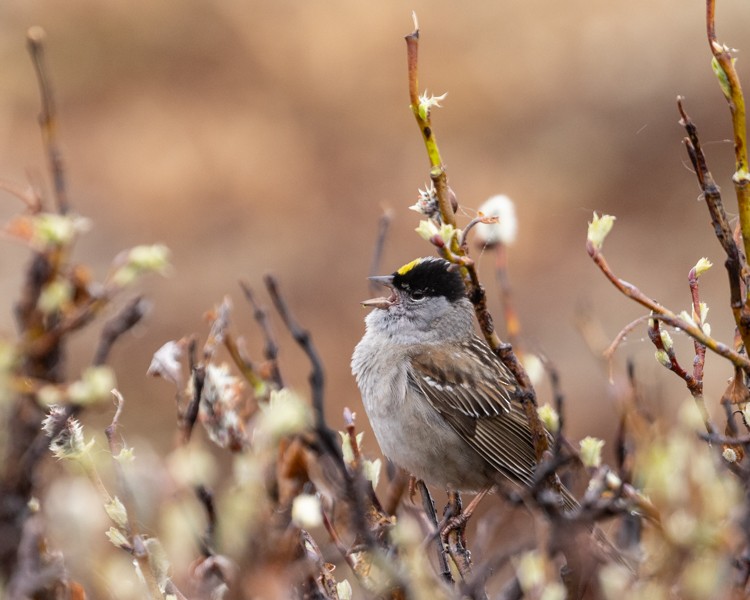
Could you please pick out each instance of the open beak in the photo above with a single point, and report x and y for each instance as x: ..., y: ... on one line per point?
x: 382, y: 302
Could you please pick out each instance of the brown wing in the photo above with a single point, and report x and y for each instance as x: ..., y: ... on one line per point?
x: 486, y: 415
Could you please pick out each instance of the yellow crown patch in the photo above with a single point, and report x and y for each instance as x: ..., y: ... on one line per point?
x: 409, y: 266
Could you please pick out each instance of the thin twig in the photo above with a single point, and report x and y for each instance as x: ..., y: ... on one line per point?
x: 559, y: 399
x: 428, y: 505
x: 125, y: 494
x: 735, y: 260
x: 438, y: 174
x: 206, y: 498
x: 219, y: 325
x: 694, y: 385
x: 244, y: 364
x: 338, y: 542
x: 302, y: 337
x: 716, y: 438
x: 383, y: 226
x: 80, y: 317
x: 190, y: 414
x: 126, y: 319
x: 732, y: 89
x: 39, y: 271
x: 358, y: 487
x: 271, y: 348
x: 396, y: 489
x: 48, y: 117
x: 26, y: 194
x: 622, y: 335
x: 699, y: 361
x: 474, y: 587
x: 463, y: 241
x: 664, y: 314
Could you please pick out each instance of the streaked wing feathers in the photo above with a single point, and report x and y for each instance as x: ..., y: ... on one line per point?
x: 485, y: 414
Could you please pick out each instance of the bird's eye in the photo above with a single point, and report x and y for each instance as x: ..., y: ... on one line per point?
x: 417, y: 295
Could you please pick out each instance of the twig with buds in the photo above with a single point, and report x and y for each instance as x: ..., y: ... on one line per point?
x: 729, y: 81
x: 598, y: 230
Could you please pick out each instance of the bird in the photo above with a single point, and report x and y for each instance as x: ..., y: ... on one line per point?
x: 440, y: 402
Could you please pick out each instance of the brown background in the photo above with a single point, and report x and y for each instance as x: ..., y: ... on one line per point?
x: 268, y: 136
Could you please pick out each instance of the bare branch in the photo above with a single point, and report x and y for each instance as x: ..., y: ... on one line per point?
x: 48, y: 117
x: 126, y: 319
x: 383, y: 225
x: 271, y: 348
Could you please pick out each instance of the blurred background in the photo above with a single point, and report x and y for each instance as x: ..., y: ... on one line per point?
x: 254, y: 137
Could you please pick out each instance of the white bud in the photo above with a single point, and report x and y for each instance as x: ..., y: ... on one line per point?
x: 729, y: 454
x: 549, y: 418
x: 139, y: 260
x: 663, y: 358
x: 591, y: 451
x: 371, y: 471
x: 306, y: 511
x: 96, y: 385
x: 49, y: 395
x: 427, y: 102
x: 599, y: 228
x: 554, y: 591
x: 703, y: 310
x: 686, y: 317
x: 344, y: 590
x: 54, y: 296
x: 125, y: 455
x: 534, y: 367
x: 702, y: 266
x: 448, y: 232
x: 116, y: 511
x: 666, y: 339
x: 52, y: 229
x: 118, y: 539
x: 613, y: 481
x: 285, y: 414
x: 427, y: 230
x: 530, y: 571
x: 346, y: 445
x: 506, y: 228
x: 33, y: 505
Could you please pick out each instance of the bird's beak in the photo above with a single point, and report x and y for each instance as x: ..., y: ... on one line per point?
x: 382, y: 302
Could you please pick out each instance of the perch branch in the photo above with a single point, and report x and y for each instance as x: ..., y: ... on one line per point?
x: 455, y: 253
